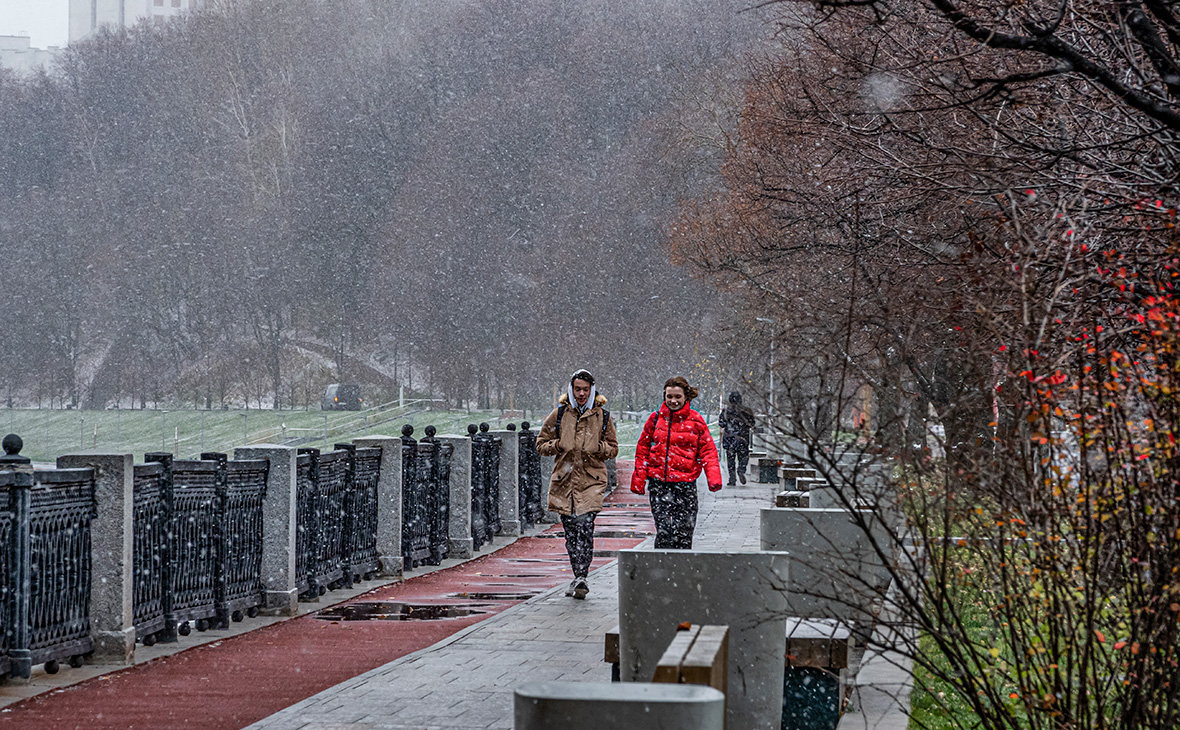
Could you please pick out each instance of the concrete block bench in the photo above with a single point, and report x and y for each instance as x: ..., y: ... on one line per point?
x: 806, y: 484
x: 792, y: 499
x: 815, y: 675
x: 789, y: 473
x: 818, y: 643
x: 767, y: 469
x: 610, y: 652
x: 745, y: 591
x: 634, y: 705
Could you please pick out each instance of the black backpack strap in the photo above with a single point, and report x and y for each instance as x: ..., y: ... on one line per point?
x: 557, y: 423
x: 605, y: 422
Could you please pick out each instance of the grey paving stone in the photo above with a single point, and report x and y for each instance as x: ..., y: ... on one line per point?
x: 467, y: 681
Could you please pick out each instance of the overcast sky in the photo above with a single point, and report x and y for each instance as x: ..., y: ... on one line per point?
x: 45, y: 21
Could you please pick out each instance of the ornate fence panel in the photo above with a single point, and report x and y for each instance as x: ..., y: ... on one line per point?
x: 151, y: 517
x: 531, y: 509
x: 409, y: 485
x: 420, y: 519
x: 360, y: 547
x: 305, y: 522
x: 7, y: 520
x: 60, y: 512
x: 493, y: 496
x: 330, y: 493
x: 245, y: 489
x: 438, y: 498
x: 196, y: 543
x: 480, y: 530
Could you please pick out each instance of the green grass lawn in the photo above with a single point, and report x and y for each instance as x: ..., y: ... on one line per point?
x: 48, y: 433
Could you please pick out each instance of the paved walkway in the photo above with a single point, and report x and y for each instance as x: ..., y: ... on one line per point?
x: 467, y: 681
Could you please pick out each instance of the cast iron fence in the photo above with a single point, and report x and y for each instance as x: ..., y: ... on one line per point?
x: 531, y: 484
x: 440, y: 497
x: 426, y: 498
x: 360, y: 548
x: 197, y: 555
x: 485, y: 484
x: 45, y: 519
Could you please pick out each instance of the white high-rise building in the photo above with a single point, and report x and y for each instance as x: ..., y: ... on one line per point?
x: 87, y: 16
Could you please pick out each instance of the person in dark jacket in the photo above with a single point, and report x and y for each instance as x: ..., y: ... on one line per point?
x: 673, y: 450
x: 581, y: 434
x: 737, y: 423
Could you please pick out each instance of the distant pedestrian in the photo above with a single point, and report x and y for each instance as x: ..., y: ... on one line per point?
x: 581, y: 434
x: 737, y: 424
x: 673, y: 449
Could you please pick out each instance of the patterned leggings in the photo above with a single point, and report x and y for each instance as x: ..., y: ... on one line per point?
x: 674, y: 507
x: 579, y: 541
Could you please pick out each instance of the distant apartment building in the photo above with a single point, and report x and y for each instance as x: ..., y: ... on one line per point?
x: 18, y: 54
x: 87, y: 16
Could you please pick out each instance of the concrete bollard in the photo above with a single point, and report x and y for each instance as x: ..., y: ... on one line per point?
x: 658, y: 589
x: 389, y: 503
x: 634, y: 706
x: 509, y: 482
x: 835, y: 571
x: 278, y: 526
x: 112, y: 627
x: 459, y: 514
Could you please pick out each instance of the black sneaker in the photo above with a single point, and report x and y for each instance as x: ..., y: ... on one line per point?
x: 742, y: 477
x: 581, y: 588
x: 731, y: 482
x: 569, y: 591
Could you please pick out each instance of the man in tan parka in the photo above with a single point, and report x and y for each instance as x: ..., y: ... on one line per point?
x: 581, y: 434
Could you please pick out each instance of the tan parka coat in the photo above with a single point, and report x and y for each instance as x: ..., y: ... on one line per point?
x: 579, y: 480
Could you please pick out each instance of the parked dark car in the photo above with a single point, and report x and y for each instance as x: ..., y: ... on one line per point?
x: 342, y: 397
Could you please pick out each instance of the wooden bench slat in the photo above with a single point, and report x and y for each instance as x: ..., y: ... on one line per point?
x: 817, y: 643
x: 707, y: 661
x: 610, y: 648
x: 668, y: 669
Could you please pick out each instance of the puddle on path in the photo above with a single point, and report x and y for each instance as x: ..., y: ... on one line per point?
x: 393, y: 611
x: 494, y: 596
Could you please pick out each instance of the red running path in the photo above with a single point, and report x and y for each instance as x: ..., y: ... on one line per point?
x: 234, y: 682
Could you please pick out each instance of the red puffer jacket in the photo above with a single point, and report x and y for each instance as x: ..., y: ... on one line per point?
x: 674, y: 447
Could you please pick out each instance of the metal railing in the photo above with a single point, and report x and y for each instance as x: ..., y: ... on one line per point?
x: 426, y: 498
x: 531, y: 484
x: 485, y: 484
x: 197, y: 555
x: 45, y: 520
x: 439, y: 496
x: 360, y: 546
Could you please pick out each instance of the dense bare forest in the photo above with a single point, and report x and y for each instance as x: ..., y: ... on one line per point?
x: 466, y: 199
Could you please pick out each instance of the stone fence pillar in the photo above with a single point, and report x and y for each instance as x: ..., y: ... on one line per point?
x: 509, y: 482
x: 112, y: 537
x: 389, y: 503
x: 459, y: 527
x: 278, y: 526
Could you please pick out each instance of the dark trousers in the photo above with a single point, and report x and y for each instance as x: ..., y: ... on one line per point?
x: 674, y: 507
x: 740, y: 453
x: 579, y: 541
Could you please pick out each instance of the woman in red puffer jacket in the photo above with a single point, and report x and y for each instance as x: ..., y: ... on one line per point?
x: 673, y: 449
